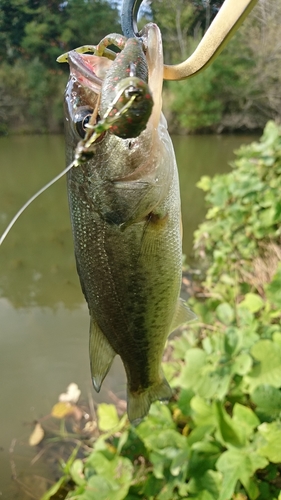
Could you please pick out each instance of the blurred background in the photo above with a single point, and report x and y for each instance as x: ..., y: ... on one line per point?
x: 239, y: 92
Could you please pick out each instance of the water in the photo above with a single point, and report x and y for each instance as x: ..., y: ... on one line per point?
x: 43, y: 317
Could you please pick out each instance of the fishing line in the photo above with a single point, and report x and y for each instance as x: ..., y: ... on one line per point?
x: 15, y: 218
x: 106, y: 123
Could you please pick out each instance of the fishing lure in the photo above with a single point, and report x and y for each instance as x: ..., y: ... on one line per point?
x: 132, y: 101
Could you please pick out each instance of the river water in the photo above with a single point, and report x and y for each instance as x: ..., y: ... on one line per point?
x: 43, y: 317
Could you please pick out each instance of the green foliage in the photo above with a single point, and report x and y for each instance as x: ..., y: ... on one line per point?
x: 240, y: 90
x: 31, y: 96
x: 32, y: 35
x: 201, y: 102
x: 244, y: 221
x: 220, y: 439
x: 195, y: 103
x: 88, y: 22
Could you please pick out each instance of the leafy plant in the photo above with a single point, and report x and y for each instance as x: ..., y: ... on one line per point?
x: 220, y: 438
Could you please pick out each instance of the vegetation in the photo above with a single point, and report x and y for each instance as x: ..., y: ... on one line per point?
x: 220, y: 437
x: 33, y: 33
x: 239, y: 91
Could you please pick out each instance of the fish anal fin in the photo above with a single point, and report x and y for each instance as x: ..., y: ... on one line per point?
x: 138, y: 404
x: 101, y: 355
x: 182, y: 315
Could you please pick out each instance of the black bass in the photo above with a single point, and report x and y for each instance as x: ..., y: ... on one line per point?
x: 126, y: 221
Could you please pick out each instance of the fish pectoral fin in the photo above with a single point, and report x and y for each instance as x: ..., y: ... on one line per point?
x: 182, y: 315
x: 139, y: 199
x: 139, y: 403
x: 152, y: 240
x: 101, y: 355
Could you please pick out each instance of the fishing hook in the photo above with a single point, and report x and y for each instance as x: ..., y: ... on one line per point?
x: 227, y: 21
x: 129, y: 14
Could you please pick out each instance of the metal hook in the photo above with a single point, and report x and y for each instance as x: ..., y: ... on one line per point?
x: 129, y: 14
x: 230, y: 16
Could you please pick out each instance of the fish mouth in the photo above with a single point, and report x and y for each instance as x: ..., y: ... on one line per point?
x: 88, y: 69
x: 87, y: 72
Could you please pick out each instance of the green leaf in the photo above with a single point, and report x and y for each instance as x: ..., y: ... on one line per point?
x: 116, y: 475
x: 179, y: 463
x: 76, y: 472
x: 203, y: 376
x: 165, y: 439
x: 204, y: 183
x: 159, y: 420
x: 185, y: 397
x: 203, y: 495
x: 245, y: 419
x: 159, y: 463
x: 181, y: 345
x: 203, y: 456
x: 231, y: 340
x: 238, y: 465
x: 55, y: 488
x: 267, y: 217
x: 276, y: 337
x: 228, y: 430
x: 203, y: 412
x: 167, y: 492
x: 267, y: 398
x: 199, y: 433
x: 225, y: 313
x: 252, y: 302
x: 272, y: 434
x: 194, y: 362
x: 99, y: 488
x: 209, y: 482
x: 122, y: 441
x: 242, y: 364
x: 268, y: 370
x: 100, y: 443
x: 212, y: 212
x: 273, y: 289
x: 107, y: 417
x: 151, y: 487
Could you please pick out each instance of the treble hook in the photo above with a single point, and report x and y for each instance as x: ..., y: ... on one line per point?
x: 230, y: 16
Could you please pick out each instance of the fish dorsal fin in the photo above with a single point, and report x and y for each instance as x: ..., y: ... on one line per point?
x: 182, y: 315
x: 101, y: 355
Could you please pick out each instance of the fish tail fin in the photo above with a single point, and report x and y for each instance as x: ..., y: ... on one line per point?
x: 138, y: 404
x: 101, y: 355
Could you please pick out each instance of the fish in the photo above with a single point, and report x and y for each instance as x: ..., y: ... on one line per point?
x: 125, y: 212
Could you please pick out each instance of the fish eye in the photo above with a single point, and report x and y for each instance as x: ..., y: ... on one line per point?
x: 81, y: 119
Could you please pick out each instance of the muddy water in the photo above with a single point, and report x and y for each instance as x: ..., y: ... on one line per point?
x: 43, y: 317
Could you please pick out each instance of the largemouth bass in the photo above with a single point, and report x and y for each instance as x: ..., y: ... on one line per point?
x: 126, y: 220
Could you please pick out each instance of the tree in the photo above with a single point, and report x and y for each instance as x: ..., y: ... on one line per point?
x: 88, y: 22
x: 261, y: 89
x: 33, y: 33
x: 241, y: 90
